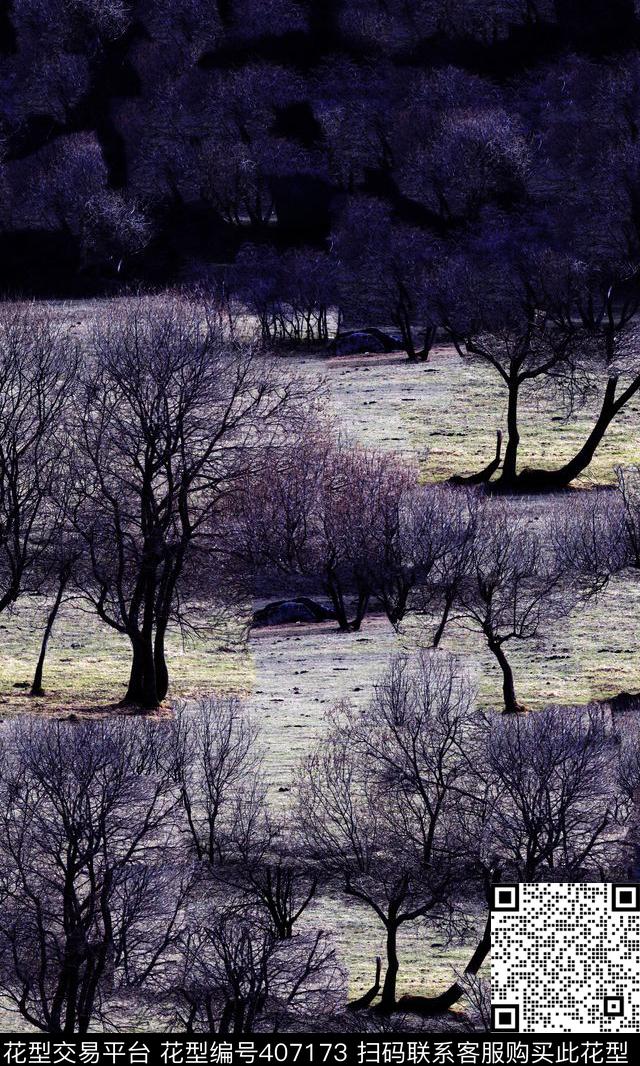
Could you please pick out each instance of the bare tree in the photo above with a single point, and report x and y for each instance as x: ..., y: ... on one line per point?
x: 378, y: 799
x: 362, y: 524
x: 408, y: 544
x: 214, y: 757
x: 60, y: 565
x: 477, y: 997
x: 68, y: 189
x: 597, y: 535
x: 91, y: 884
x: 37, y: 376
x: 235, y: 977
x: 421, y: 552
x: 605, y: 304
x: 629, y: 489
x: 341, y: 519
x: 273, y: 871
x: 496, y: 319
x: 513, y: 588
x: 593, y: 534
x: 385, y: 273
x: 290, y: 293
x: 629, y: 782
x: 558, y: 808
x: 215, y: 762
x: 172, y: 417
x: 543, y: 800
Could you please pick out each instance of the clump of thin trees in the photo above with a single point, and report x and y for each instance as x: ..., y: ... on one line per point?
x: 147, y: 875
x: 364, y: 182
x: 358, y: 526
x: 110, y: 907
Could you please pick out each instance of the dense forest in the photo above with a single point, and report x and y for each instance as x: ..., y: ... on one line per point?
x: 147, y: 141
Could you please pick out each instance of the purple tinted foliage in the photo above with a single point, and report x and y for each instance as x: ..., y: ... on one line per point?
x: 194, y: 128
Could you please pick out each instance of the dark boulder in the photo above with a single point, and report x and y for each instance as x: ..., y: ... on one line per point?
x: 287, y: 612
x: 362, y: 341
x: 624, y: 701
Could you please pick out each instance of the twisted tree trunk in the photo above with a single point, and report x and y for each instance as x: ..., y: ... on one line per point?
x: 442, y: 625
x: 160, y: 660
x: 368, y: 998
x: 509, y: 467
x: 486, y: 473
x: 511, y: 705
x: 388, y: 998
x: 539, y: 480
x: 143, y: 687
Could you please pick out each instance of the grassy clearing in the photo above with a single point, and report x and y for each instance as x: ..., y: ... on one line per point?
x: 457, y: 415
x: 590, y: 656
x: 428, y: 962
x: 447, y: 412
x: 88, y: 664
x: 301, y: 671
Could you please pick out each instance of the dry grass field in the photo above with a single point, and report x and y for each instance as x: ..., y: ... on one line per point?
x: 446, y: 412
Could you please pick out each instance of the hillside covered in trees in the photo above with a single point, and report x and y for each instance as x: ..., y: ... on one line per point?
x: 146, y: 141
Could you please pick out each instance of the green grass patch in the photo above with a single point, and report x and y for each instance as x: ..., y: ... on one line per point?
x: 88, y: 663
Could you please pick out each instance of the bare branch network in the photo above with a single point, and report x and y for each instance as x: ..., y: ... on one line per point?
x: 146, y: 878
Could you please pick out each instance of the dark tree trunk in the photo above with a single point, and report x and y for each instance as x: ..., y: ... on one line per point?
x: 90, y: 985
x: 336, y: 595
x: 368, y: 998
x: 430, y: 334
x: 36, y: 686
x: 150, y: 698
x: 361, y: 610
x: 239, y: 1026
x: 388, y: 998
x: 442, y: 625
x: 226, y: 1018
x: 160, y: 661
x: 143, y: 689
x: 191, y: 1018
x: 510, y: 465
x: 409, y: 348
x: 486, y: 473
x: 536, y: 480
x: 135, y: 687
x: 337, y: 600
x: 421, y: 355
x: 395, y: 601
x: 511, y: 705
x: 72, y: 995
x: 404, y: 325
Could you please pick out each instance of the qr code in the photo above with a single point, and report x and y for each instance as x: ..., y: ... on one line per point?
x: 565, y: 958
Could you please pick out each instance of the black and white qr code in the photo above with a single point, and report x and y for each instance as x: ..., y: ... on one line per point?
x: 565, y: 958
